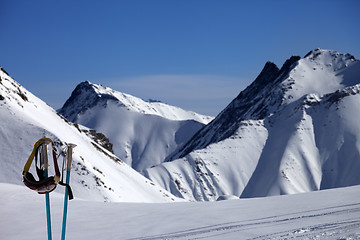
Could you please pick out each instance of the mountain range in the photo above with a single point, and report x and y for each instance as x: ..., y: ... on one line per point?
x: 294, y: 129
x: 143, y: 133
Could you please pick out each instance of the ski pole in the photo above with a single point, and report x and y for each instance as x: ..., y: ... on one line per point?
x: 68, y: 168
x: 45, y: 164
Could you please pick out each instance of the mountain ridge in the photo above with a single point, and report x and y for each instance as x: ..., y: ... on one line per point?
x: 260, y: 98
x: 296, y: 134
x: 246, y: 103
x: 86, y: 95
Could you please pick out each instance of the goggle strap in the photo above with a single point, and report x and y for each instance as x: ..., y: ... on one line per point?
x: 34, y: 155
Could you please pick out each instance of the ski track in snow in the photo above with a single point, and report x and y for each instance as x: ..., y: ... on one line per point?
x: 328, y: 214
x: 341, y: 228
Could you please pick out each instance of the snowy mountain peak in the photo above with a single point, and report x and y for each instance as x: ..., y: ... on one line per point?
x: 294, y: 129
x: 320, y: 72
x: 87, y: 95
x: 84, y: 96
x: 325, y: 55
x: 270, y: 73
x: 261, y: 98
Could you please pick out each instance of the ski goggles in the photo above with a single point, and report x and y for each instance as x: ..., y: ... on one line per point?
x: 43, y: 186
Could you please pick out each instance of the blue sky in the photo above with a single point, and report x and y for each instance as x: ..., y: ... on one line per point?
x: 197, y: 55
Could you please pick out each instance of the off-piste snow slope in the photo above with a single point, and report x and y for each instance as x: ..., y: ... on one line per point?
x: 97, y: 173
x: 294, y: 129
x: 143, y: 133
x: 329, y: 214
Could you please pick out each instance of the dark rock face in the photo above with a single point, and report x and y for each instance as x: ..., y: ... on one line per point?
x: 80, y: 88
x: 2, y: 69
x: 340, y: 94
x: 82, y: 98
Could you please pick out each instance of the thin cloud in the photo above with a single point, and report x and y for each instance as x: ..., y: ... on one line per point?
x: 206, y: 94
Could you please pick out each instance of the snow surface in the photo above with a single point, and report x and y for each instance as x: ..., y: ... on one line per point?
x: 328, y: 214
x: 141, y: 140
x: 97, y: 173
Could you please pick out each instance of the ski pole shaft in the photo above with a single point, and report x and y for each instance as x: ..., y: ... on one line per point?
x: 65, y: 208
x: 68, y: 168
x: 44, y: 164
x: 48, y: 215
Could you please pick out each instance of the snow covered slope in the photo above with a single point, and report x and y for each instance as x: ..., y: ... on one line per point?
x: 97, y: 173
x: 330, y: 214
x: 294, y: 129
x: 142, y: 133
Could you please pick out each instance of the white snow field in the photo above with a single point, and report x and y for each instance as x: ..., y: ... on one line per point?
x: 326, y: 214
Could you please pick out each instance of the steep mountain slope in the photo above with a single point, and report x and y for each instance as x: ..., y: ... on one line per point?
x: 97, y: 173
x: 142, y: 133
x: 292, y: 130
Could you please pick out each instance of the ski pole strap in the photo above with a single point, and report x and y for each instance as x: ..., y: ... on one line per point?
x: 34, y: 152
x: 71, y: 196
